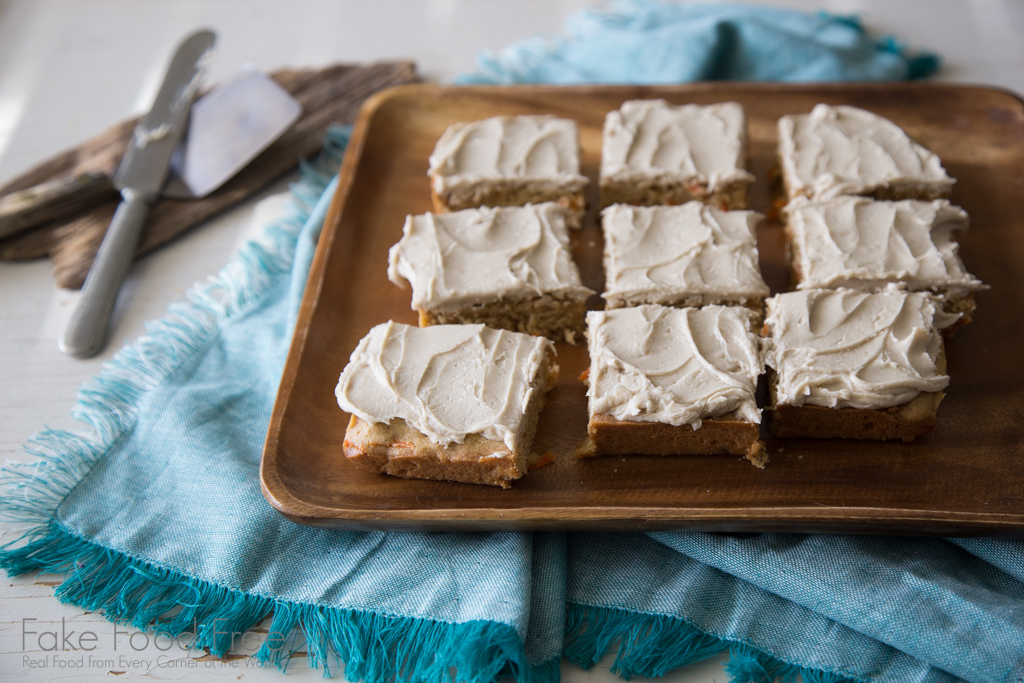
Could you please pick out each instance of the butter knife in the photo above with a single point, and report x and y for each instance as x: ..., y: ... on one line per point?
x: 139, y: 178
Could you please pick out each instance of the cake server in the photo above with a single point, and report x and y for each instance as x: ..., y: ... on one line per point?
x: 140, y: 178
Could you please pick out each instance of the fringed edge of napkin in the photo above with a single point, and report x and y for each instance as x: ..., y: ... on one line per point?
x: 372, y: 647
x: 651, y: 645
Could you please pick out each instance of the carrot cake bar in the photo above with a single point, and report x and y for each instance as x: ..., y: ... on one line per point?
x: 507, y: 267
x: 508, y: 161
x: 656, y: 153
x: 689, y: 255
x: 674, y: 380
x: 855, y: 365
x: 859, y: 243
x: 452, y: 402
x: 845, y: 150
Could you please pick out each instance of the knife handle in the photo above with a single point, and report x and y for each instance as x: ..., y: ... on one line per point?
x: 86, y: 333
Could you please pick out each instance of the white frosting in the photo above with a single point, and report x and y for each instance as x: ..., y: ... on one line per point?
x: 851, y: 349
x: 447, y: 381
x: 650, y: 139
x: 845, y: 150
x: 485, y: 254
x: 673, y: 365
x: 670, y: 254
x: 538, y: 148
x: 864, y: 244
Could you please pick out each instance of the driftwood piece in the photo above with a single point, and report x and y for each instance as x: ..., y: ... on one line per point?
x: 328, y: 96
x: 55, y: 199
x: 102, y: 154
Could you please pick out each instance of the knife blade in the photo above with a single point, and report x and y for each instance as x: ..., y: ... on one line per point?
x: 140, y: 176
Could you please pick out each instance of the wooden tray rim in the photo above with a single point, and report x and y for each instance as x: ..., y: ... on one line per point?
x: 930, y: 522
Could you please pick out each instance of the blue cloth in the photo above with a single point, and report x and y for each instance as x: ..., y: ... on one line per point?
x: 648, y: 42
x: 165, y: 509
x: 861, y: 607
x: 155, y: 515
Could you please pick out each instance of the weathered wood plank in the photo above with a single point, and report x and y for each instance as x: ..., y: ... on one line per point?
x: 328, y: 96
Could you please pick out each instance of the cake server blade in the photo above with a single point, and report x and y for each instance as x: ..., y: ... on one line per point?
x: 229, y: 127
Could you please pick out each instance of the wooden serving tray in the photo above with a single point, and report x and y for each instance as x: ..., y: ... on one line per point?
x: 967, y: 477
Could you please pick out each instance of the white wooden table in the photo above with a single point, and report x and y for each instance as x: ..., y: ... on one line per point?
x: 70, y: 68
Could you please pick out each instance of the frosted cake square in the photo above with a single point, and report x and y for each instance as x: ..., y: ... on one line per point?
x: 845, y: 150
x: 451, y: 402
x: 656, y: 153
x: 855, y: 365
x: 860, y: 243
x: 506, y: 267
x: 689, y: 255
x: 668, y: 380
x: 508, y: 161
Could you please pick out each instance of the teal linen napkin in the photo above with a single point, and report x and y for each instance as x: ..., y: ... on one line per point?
x: 157, y: 519
x: 832, y: 608
x: 647, y: 42
x: 155, y: 516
